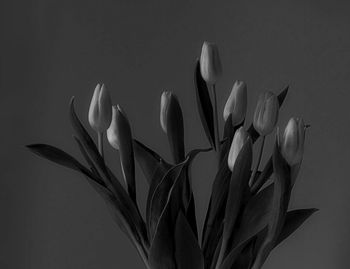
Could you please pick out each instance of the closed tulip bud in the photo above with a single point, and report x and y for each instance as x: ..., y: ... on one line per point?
x: 236, y: 103
x: 266, y: 113
x: 239, y: 139
x: 112, y: 131
x: 100, y: 111
x: 120, y: 137
x: 292, y: 144
x: 164, y: 106
x: 210, y: 63
x: 171, y: 120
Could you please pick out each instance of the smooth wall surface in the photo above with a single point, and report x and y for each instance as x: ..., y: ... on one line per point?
x: 51, y: 50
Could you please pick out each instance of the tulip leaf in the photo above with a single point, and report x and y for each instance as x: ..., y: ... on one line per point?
x: 188, y: 254
x: 237, y: 188
x: 87, y: 157
x: 255, y: 216
x: 213, y: 244
x: 282, y: 95
x: 254, y: 135
x: 161, y: 254
x: 157, y: 200
x: 62, y: 158
x: 150, y: 162
x: 126, y: 152
x: 217, y: 203
x: 229, y: 129
x: 281, y: 196
x: 175, y: 130
x: 160, y: 196
x: 262, y: 177
x: 293, y: 221
x: 204, y: 105
x: 191, y: 215
x: 124, y: 220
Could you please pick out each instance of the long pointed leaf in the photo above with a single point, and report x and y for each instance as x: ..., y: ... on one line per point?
x: 149, y: 161
x: 60, y: 157
x: 238, y: 186
x: 188, y: 254
x: 294, y: 220
x: 204, y: 105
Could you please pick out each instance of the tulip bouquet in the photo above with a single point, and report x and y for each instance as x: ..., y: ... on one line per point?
x: 248, y: 213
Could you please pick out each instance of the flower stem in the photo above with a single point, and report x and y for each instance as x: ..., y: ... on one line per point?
x: 216, y: 125
x: 252, y: 179
x: 100, y: 143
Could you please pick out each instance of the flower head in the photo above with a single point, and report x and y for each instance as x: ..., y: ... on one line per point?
x: 210, y: 63
x: 100, y: 111
x: 266, y: 113
x: 239, y: 139
x: 236, y: 103
x: 292, y: 144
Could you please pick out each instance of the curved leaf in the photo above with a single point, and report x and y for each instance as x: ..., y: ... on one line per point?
x: 188, y: 254
x: 150, y: 162
x: 204, y: 105
x: 126, y: 152
x: 161, y: 254
x: 281, y: 196
x: 175, y: 129
x: 160, y: 196
x: 60, y: 157
x: 294, y: 220
x: 238, y: 186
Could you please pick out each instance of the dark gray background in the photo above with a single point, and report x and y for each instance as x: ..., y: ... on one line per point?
x: 51, y: 50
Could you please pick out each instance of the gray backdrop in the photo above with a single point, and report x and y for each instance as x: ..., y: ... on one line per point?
x: 51, y: 50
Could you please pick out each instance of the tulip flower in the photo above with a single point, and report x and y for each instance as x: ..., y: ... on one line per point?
x: 164, y: 105
x: 292, y: 144
x: 171, y: 120
x: 239, y: 139
x: 112, y: 131
x: 120, y: 137
x: 236, y: 103
x: 266, y: 113
x: 210, y: 63
x: 100, y: 112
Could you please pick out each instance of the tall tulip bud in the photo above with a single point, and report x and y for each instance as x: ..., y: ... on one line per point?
x: 171, y: 120
x: 120, y: 137
x: 236, y: 103
x: 100, y: 111
x: 164, y: 106
x: 210, y: 63
x: 266, y: 113
x: 112, y: 131
x: 292, y: 144
x: 239, y: 139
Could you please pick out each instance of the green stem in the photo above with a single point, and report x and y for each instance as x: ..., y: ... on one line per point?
x: 100, y: 143
x: 216, y: 125
x: 252, y: 179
